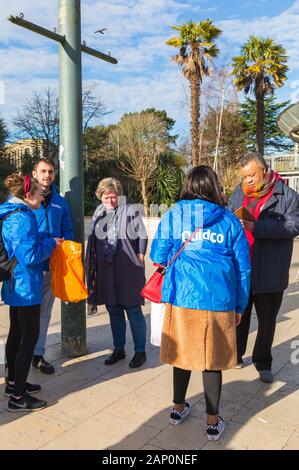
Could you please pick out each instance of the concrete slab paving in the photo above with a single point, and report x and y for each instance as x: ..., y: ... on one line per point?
x: 92, y: 406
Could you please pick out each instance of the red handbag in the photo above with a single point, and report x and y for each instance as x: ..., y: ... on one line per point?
x: 153, y: 288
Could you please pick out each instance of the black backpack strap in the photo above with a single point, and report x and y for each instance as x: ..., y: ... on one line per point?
x: 12, y: 212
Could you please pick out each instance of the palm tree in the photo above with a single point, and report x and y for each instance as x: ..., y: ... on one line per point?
x: 260, y: 68
x: 197, y: 49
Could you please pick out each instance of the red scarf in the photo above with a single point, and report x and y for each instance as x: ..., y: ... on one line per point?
x: 256, y: 204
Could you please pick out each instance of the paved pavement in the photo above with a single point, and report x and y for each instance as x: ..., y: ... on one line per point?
x: 93, y: 406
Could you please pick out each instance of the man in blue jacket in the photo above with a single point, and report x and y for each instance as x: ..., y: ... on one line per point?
x: 54, y: 220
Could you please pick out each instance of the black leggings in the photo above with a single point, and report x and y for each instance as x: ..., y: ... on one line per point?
x: 22, y: 338
x: 212, y: 384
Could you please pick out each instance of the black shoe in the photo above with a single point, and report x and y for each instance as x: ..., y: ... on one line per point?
x: 30, y: 388
x: 92, y: 309
x: 240, y: 364
x: 39, y: 363
x: 117, y: 355
x: 25, y: 403
x: 138, y: 359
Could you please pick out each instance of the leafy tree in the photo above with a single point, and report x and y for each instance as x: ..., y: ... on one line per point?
x: 162, y: 115
x: 260, y: 68
x: 3, y: 133
x: 27, y: 163
x: 196, y: 43
x: 274, y: 138
x: 168, y: 178
x: 101, y: 162
x: 6, y: 167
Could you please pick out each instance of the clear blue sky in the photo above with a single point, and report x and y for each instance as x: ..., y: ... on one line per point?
x: 136, y: 34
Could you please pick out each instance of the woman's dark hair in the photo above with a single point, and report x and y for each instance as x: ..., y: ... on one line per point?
x: 202, y: 183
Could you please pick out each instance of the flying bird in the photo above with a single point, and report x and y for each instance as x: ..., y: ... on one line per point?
x: 101, y: 31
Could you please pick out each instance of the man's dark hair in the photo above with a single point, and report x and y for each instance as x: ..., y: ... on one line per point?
x: 202, y: 183
x: 48, y: 161
x: 253, y: 157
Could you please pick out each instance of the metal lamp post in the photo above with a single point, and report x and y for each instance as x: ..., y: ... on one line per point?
x: 73, y: 319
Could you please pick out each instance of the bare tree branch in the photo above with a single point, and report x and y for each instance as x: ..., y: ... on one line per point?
x: 39, y: 116
x: 139, y: 139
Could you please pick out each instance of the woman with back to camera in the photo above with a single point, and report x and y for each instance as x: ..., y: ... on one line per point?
x: 205, y: 291
x: 23, y: 290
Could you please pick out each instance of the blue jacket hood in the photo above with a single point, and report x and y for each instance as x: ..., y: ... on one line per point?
x: 213, y: 271
x: 211, y: 212
x: 7, y: 207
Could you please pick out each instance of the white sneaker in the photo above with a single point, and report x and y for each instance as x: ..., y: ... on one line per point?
x: 176, y: 417
x: 214, y: 432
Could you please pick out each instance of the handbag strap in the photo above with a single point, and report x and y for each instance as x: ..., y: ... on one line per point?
x: 183, y: 247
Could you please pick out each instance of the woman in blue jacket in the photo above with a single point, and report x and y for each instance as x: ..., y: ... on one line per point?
x: 23, y: 290
x: 205, y: 291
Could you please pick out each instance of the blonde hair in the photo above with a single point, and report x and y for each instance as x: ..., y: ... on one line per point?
x: 109, y: 184
x: 15, y: 185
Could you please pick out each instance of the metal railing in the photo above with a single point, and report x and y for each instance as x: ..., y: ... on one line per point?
x: 283, y: 163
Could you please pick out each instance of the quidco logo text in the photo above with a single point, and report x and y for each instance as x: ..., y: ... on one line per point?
x: 213, y: 237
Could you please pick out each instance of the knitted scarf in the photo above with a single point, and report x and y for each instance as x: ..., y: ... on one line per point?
x: 256, y: 198
x: 264, y: 188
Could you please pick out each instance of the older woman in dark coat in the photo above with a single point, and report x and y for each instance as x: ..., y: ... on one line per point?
x: 115, y: 266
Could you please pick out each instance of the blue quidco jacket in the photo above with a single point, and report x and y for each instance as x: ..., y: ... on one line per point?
x: 21, y: 239
x: 213, y: 271
x: 54, y: 220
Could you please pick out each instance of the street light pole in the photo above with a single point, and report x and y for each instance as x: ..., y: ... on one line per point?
x: 73, y: 319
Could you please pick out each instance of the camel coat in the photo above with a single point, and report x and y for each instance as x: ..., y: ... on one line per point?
x: 198, y: 339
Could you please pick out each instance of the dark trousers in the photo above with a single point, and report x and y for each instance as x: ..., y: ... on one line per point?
x: 22, y: 337
x: 267, y: 307
x: 118, y: 326
x: 212, y: 384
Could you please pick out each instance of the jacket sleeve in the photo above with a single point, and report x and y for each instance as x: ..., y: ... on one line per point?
x: 286, y: 227
x: 163, y: 240
x: 234, y: 201
x: 242, y: 269
x: 143, y: 238
x: 135, y: 227
x: 67, y: 231
x: 142, y: 234
x: 23, y: 238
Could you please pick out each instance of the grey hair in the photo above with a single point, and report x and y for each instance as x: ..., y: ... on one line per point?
x: 109, y: 184
x: 253, y: 157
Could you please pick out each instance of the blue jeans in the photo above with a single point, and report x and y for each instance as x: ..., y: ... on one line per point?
x: 118, y: 326
x: 45, y: 315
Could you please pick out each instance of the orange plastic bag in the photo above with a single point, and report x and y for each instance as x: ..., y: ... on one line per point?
x: 68, y: 273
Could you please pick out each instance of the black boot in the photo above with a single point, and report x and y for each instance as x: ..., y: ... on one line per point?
x: 41, y: 364
x: 138, y: 359
x: 115, y: 356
